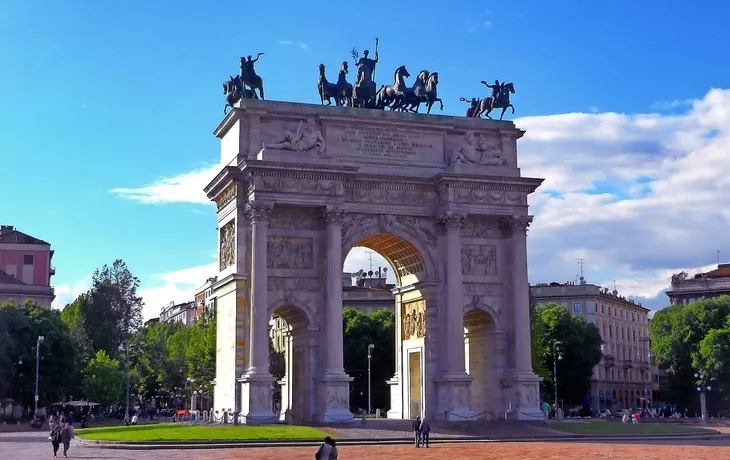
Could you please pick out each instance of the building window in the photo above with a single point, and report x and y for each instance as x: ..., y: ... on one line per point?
x: 634, y: 335
x: 610, y: 331
x: 576, y: 307
x: 603, y: 309
x: 623, y: 337
x: 28, y: 259
x: 633, y: 317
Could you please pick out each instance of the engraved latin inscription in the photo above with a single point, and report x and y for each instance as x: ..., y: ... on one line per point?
x: 385, y: 143
x: 478, y: 259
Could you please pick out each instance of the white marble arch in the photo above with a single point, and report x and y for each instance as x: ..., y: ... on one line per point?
x: 298, y: 381
x: 449, y: 187
x: 485, y: 360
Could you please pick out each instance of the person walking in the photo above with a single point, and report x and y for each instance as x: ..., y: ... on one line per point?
x: 333, y: 453
x: 56, y: 438
x: 325, y: 449
x: 545, y: 411
x: 67, y: 434
x: 425, y: 432
x: 417, y: 431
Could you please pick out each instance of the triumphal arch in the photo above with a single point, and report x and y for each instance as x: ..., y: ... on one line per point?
x: 440, y: 197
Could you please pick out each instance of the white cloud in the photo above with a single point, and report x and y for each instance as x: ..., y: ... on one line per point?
x: 177, y: 286
x: 487, y: 23
x: 284, y: 42
x: 303, y: 46
x: 66, y: 293
x: 639, y: 196
x: 185, y: 188
x: 673, y: 104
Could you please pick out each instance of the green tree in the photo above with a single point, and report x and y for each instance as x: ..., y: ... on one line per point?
x: 57, y: 353
x: 361, y: 330
x: 14, y: 324
x: 114, y: 310
x: 152, y: 372
x: 580, y: 345
x: 687, y: 339
x: 103, y: 380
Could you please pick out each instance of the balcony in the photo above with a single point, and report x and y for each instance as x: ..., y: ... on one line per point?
x: 628, y: 364
x: 608, y: 361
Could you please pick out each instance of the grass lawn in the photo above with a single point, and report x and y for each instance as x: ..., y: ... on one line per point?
x: 623, y: 428
x: 169, y: 432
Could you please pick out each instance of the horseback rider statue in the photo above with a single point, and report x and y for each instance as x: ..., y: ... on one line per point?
x: 496, y: 90
x: 249, y: 77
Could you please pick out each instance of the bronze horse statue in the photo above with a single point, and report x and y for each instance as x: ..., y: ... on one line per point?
x: 389, y: 93
x: 327, y: 90
x: 249, y: 77
x: 233, y: 90
x: 412, y: 97
x: 488, y: 104
x: 344, y: 89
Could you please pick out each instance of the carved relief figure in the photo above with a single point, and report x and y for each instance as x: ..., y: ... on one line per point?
x: 226, y: 196
x: 414, y: 320
x: 476, y: 228
x: 290, y: 253
x: 227, y: 255
x: 354, y: 222
x: 478, y: 260
x: 307, y: 137
x: 477, y: 150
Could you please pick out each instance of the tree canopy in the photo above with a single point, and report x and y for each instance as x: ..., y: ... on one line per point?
x: 580, y: 344
x: 694, y: 339
x: 103, y: 380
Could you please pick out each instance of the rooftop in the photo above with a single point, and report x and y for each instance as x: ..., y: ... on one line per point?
x: 717, y: 280
x: 11, y: 235
x: 583, y: 288
x: 8, y: 279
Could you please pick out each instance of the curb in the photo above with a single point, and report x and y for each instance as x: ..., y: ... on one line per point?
x: 391, y: 441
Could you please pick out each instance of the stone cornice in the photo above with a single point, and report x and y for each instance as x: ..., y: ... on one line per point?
x: 505, y: 184
x: 224, y: 178
x: 296, y: 171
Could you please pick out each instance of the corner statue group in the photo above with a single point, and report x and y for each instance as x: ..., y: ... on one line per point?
x: 365, y: 93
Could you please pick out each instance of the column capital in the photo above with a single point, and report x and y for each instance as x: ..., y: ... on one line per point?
x: 333, y: 215
x: 515, y: 224
x: 258, y: 212
x: 451, y: 220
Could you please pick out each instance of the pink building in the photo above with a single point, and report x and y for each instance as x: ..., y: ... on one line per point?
x: 25, y: 268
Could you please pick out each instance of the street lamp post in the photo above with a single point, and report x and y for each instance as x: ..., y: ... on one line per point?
x: 557, y: 356
x: 37, y: 369
x: 702, y: 386
x: 370, y: 357
x: 126, y: 398
x: 648, y: 368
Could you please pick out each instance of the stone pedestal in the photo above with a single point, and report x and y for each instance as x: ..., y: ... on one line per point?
x: 523, y: 392
x: 334, y: 396
x: 454, y: 399
x: 256, y: 399
x: 396, y: 398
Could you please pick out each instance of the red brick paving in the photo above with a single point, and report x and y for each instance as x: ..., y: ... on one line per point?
x: 501, y: 451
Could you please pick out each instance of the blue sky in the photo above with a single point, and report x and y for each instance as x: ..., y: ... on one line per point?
x: 101, y: 96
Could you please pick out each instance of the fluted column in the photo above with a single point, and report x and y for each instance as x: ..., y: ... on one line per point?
x: 454, y: 343
x: 258, y: 348
x: 515, y: 228
x: 333, y: 317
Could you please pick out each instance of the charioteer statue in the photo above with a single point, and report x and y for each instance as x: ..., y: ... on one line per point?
x: 364, y: 91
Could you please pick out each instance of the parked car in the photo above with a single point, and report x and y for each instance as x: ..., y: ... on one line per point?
x: 604, y: 413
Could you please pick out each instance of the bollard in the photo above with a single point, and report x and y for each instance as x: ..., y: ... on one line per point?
x: 377, y: 413
x: 364, y: 415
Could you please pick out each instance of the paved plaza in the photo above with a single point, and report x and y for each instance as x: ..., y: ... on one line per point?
x: 34, y: 445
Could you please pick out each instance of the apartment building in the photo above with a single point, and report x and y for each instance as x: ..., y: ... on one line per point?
x: 183, y: 313
x: 25, y: 268
x: 623, y: 378
x: 686, y: 290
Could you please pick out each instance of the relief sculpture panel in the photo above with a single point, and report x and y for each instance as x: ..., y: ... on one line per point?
x: 294, y: 219
x: 413, y: 320
x: 290, y: 253
x: 479, y: 259
x: 227, y: 254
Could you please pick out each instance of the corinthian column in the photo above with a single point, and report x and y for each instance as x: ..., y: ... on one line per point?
x: 258, y: 347
x: 515, y: 228
x: 333, y: 316
x: 454, y: 343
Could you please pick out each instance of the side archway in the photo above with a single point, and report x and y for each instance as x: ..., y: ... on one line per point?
x: 481, y: 351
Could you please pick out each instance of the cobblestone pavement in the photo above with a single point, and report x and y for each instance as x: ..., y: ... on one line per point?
x: 390, y: 429
x: 30, y: 446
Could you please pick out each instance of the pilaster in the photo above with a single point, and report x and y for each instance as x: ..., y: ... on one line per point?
x: 521, y: 384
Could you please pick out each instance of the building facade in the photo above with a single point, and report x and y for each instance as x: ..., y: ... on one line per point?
x: 710, y: 285
x: 622, y: 379
x: 183, y: 313
x: 204, y: 298
x: 25, y: 268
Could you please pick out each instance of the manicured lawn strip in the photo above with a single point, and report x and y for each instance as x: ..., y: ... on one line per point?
x: 623, y: 428
x: 167, y: 432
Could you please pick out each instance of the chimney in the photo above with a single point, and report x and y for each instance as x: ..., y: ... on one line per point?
x: 6, y: 229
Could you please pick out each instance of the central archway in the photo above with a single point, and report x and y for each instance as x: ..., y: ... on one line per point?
x: 412, y: 264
